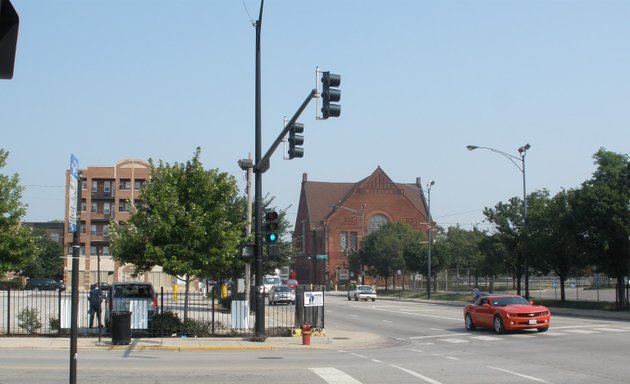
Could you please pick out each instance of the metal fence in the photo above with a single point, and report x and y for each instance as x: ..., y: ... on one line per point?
x: 197, y: 314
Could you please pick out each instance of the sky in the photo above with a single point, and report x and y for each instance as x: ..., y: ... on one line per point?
x: 420, y: 80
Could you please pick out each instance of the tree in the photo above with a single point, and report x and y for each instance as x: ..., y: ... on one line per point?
x: 509, y: 225
x: 49, y: 261
x: 392, y: 247
x: 600, y: 207
x: 17, y: 245
x: 190, y: 222
x: 553, y: 236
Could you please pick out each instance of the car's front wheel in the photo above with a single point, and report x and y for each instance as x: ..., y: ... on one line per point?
x: 544, y: 329
x: 349, y: 298
x: 356, y: 298
x: 498, y: 325
x: 468, y: 321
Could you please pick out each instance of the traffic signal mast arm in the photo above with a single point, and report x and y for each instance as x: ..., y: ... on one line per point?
x: 263, y: 165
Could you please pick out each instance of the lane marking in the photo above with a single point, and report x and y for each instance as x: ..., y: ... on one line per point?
x: 454, y: 341
x: 581, y: 331
x: 416, y: 374
x: 334, y: 376
x: 520, y: 375
x: 611, y: 329
x: 437, y: 336
x: 486, y: 338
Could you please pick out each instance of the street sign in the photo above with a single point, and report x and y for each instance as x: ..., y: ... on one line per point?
x: 73, y: 193
x: 313, y: 299
x: 322, y: 257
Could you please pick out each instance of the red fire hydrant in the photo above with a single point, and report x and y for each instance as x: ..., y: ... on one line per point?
x: 306, y: 334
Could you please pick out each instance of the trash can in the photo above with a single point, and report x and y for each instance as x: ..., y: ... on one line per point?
x: 121, y: 328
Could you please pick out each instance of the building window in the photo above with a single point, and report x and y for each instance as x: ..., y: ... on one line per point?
x: 105, y: 230
x: 106, y: 251
x: 107, y: 208
x: 376, y: 222
x: 125, y: 185
x: 82, y: 229
x: 83, y: 205
x: 123, y: 206
x: 83, y: 184
x: 93, y: 250
x: 93, y: 229
x: 94, y: 186
x: 94, y: 208
x: 54, y: 237
x: 107, y: 186
x: 82, y: 250
x: 354, y: 240
x: 343, y: 241
x: 138, y: 184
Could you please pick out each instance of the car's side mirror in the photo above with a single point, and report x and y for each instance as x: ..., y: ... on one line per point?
x: 486, y: 305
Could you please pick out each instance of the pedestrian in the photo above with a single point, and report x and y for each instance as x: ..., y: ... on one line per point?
x: 95, y: 299
x: 476, y: 293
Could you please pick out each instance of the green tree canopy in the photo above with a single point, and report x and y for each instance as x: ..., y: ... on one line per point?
x: 17, y: 244
x: 190, y: 222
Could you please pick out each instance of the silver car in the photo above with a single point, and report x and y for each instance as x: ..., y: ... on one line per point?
x: 281, y: 294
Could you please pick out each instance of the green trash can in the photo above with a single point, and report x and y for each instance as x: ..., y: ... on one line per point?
x: 121, y: 328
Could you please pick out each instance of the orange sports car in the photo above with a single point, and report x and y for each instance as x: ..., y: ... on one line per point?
x: 506, y: 313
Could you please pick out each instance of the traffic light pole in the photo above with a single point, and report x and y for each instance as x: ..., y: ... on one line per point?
x: 259, y: 331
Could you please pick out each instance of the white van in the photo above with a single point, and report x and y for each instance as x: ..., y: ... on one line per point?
x: 269, y: 281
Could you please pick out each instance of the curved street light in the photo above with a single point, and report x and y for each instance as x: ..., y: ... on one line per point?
x: 522, y: 152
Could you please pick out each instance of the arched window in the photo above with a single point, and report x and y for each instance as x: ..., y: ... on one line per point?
x: 376, y: 221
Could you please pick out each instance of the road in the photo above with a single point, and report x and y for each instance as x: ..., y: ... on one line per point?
x: 425, y: 343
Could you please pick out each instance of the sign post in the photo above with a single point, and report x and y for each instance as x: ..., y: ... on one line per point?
x: 73, y: 200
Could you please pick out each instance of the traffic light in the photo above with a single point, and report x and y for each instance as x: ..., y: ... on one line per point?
x: 9, y: 23
x: 330, y: 95
x: 295, y: 140
x: 271, y: 226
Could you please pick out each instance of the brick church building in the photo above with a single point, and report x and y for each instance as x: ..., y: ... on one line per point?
x: 333, y: 218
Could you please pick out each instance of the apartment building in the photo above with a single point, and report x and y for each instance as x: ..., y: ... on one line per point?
x: 107, y: 193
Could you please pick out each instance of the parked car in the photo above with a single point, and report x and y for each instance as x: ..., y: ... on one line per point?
x: 281, y: 294
x: 44, y: 284
x: 506, y: 313
x: 292, y: 283
x: 362, y: 292
x: 122, y: 293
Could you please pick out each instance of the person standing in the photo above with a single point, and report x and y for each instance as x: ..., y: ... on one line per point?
x: 95, y: 299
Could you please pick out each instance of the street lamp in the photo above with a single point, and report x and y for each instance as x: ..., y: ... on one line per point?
x: 430, y: 230
x: 522, y: 152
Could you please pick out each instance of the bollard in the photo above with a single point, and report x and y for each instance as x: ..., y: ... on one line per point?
x: 306, y: 334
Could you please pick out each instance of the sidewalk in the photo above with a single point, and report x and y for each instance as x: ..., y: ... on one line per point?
x: 335, y: 339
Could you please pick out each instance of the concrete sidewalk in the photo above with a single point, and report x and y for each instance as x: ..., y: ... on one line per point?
x: 335, y: 339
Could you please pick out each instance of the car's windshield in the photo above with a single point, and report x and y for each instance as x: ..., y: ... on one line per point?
x: 134, y: 290
x: 282, y: 289
x: 364, y: 288
x: 272, y: 280
x: 502, y: 301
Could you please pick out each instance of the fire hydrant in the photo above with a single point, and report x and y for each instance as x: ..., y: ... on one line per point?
x: 306, y: 334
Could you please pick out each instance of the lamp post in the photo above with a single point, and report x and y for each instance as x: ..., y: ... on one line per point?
x: 430, y: 237
x: 522, y: 152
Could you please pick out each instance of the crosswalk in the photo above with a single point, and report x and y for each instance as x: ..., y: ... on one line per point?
x: 467, y: 337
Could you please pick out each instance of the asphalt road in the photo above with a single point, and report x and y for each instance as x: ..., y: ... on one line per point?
x: 425, y: 343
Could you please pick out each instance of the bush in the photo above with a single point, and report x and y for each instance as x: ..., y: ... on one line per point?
x: 28, y: 319
x: 196, y: 328
x: 165, y: 324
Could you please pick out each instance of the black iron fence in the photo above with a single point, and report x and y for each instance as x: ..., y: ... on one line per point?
x: 179, y: 314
